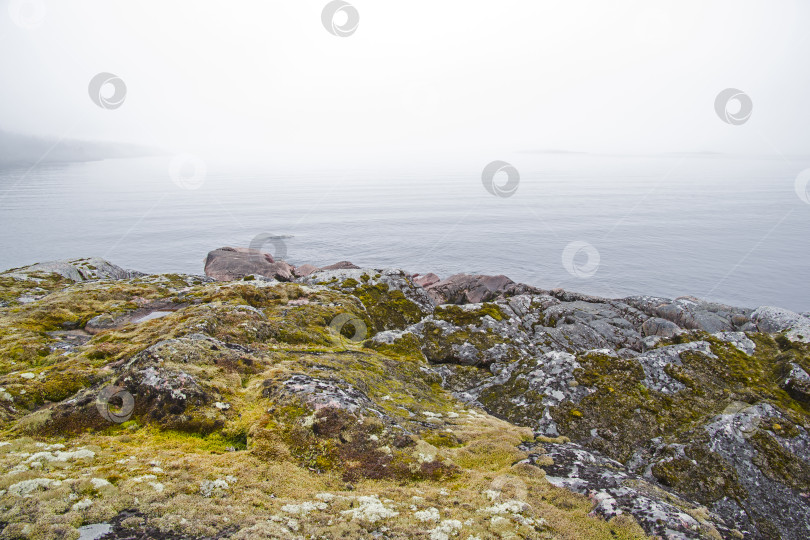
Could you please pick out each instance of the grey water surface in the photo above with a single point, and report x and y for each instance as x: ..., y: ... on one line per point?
x: 724, y: 228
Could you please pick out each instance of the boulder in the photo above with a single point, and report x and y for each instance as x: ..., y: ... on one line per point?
x: 797, y: 383
x: 692, y: 313
x: 466, y: 289
x: 425, y: 281
x: 592, y: 323
x: 228, y: 263
x: 75, y: 270
x: 304, y: 270
x: 320, y: 393
x: 342, y: 265
x: 774, y: 319
x: 100, y: 323
x: 656, y: 326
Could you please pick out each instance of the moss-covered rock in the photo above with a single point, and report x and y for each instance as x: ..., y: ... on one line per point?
x: 184, y: 393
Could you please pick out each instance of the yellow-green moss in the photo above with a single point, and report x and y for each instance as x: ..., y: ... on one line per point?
x: 462, y: 317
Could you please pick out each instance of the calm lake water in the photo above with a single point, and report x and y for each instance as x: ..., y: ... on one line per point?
x: 722, y: 228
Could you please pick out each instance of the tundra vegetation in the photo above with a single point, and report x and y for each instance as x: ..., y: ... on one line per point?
x: 533, y: 414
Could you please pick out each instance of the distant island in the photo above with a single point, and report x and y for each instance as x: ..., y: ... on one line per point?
x: 19, y: 150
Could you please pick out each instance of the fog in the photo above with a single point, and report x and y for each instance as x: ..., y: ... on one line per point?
x: 416, y: 81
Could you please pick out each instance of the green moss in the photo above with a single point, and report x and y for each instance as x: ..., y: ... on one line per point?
x: 782, y: 428
x: 80, y: 302
x: 622, y: 404
x: 462, y: 317
x: 58, y: 386
x: 407, y: 345
x: 702, y: 475
x: 387, y: 309
x: 244, y: 293
x: 780, y: 464
x: 292, y: 450
x: 334, y: 440
x: 501, y: 400
x: 211, y: 443
x: 438, y: 346
x: 443, y: 439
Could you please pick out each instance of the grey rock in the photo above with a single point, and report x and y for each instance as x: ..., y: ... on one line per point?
x: 319, y: 393
x: 467, y: 289
x: 170, y: 395
x: 800, y: 334
x: 797, y: 383
x: 650, y: 342
x: 732, y: 436
x: 739, y: 340
x: 692, y: 313
x: 774, y: 319
x: 105, y: 321
x: 67, y: 341
x: 655, y: 361
x: 342, y: 265
x: 615, y: 490
x: 656, y: 326
x: 74, y: 270
x: 394, y: 279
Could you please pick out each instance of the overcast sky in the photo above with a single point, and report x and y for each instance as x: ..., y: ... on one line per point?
x: 416, y: 78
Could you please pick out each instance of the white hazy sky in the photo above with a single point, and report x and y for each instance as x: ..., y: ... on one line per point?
x: 418, y: 78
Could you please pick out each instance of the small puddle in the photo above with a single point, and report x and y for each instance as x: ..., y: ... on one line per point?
x: 153, y: 315
x: 94, y: 531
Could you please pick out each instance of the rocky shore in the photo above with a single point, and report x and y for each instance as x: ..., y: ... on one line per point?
x: 264, y: 400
